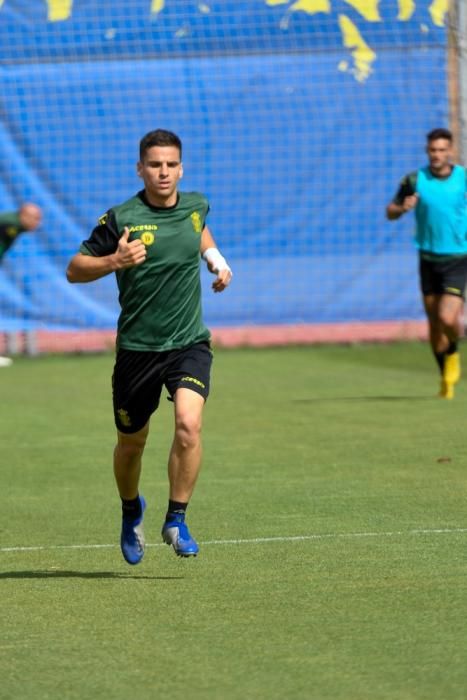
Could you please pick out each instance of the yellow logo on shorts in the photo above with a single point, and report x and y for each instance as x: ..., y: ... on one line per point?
x: 196, y: 221
x: 193, y: 380
x: 124, y: 417
x: 453, y: 290
x: 147, y: 237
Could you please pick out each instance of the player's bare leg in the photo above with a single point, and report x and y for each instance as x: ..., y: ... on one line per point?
x: 183, y: 469
x: 444, y: 314
x: 128, y: 454
x: 127, y: 470
x: 450, y: 314
x: 185, y: 454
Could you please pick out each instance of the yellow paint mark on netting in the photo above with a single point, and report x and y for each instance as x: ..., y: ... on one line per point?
x: 362, y: 54
x: 59, y: 10
x: 406, y: 10
x: 438, y: 11
x: 157, y: 6
x: 369, y: 9
x: 311, y: 6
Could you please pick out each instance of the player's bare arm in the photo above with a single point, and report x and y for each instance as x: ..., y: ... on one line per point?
x: 87, y: 268
x: 215, y: 261
x: 395, y: 211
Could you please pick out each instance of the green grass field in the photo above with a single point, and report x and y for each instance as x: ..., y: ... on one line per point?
x: 331, y: 512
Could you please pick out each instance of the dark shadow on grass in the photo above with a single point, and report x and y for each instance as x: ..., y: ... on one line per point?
x: 83, y: 574
x: 323, y: 399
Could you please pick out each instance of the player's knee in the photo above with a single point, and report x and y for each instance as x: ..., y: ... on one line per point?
x: 450, y: 320
x: 130, y: 446
x: 188, y: 431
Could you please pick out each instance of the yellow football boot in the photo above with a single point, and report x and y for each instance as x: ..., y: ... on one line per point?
x: 447, y: 390
x: 452, y: 368
x: 451, y: 375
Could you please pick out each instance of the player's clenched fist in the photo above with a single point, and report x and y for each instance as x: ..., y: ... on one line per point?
x: 223, y: 280
x: 130, y: 253
x: 410, y: 202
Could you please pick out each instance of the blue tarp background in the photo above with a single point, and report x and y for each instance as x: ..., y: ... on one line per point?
x: 297, y: 156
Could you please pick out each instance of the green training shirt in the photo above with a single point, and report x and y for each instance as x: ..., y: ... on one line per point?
x: 160, y: 299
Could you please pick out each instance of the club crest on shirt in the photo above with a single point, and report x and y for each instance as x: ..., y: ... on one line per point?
x: 196, y: 221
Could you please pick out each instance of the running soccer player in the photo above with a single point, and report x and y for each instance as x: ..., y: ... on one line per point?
x: 154, y: 242
x: 27, y: 218
x: 437, y: 193
x: 12, y: 223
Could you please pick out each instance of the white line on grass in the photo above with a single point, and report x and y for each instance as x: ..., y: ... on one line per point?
x: 255, y: 540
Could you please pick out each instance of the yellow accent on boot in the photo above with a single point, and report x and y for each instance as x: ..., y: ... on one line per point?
x: 447, y: 390
x: 452, y: 368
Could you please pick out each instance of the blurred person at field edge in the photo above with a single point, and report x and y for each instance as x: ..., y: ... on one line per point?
x: 154, y: 243
x: 437, y: 193
x: 27, y: 218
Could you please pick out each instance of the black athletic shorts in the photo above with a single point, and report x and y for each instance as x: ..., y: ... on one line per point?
x: 138, y: 378
x: 448, y: 275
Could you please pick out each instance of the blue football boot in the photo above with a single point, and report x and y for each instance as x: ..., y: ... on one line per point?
x: 176, y: 533
x: 132, y: 537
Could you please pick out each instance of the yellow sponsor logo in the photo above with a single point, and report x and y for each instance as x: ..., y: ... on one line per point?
x: 196, y: 221
x: 103, y: 219
x: 143, y: 227
x: 147, y: 238
x: 193, y: 381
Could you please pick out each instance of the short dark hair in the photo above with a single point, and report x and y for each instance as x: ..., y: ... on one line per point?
x: 159, y: 137
x: 436, y: 134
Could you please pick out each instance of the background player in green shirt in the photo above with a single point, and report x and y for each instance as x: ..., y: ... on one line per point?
x: 27, y: 218
x: 437, y: 193
x: 154, y: 243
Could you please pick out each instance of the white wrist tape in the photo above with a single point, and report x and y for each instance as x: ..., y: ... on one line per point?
x: 218, y: 262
